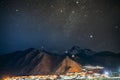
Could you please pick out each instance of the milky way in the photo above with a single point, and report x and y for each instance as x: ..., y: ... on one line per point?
x: 59, y: 24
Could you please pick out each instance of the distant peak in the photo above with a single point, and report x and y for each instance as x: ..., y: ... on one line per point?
x: 75, y: 47
x: 76, y: 50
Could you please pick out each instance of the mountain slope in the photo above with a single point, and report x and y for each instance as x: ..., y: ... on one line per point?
x: 34, y: 62
x: 29, y: 62
x: 68, y: 65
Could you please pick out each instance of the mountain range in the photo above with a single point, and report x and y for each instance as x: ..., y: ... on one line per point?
x: 33, y: 61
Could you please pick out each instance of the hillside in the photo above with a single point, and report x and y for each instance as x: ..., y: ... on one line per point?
x: 34, y: 62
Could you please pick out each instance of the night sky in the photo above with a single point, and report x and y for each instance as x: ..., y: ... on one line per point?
x: 57, y: 25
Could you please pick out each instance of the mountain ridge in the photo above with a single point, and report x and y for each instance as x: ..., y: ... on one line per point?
x: 33, y: 61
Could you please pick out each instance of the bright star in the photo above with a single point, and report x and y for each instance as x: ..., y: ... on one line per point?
x: 91, y: 36
x: 77, y: 2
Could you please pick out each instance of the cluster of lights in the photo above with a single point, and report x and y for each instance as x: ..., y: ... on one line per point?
x: 81, y: 75
x: 76, y: 75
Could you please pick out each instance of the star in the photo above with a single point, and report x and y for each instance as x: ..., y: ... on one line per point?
x: 61, y: 10
x: 52, y: 6
x: 16, y: 10
x: 73, y: 12
x: 77, y: 2
x: 91, y: 36
x: 85, y: 15
x: 42, y: 47
x: 83, y: 7
x: 66, y: 52
x: 116, y: 27
x: 73, y: 56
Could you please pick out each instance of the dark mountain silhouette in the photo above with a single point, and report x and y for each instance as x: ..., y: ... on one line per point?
x: 34, y: 62
x: 87, y: 56
x: 30, y: 61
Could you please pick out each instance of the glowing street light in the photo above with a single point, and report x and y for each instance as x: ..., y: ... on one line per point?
x: 106, y: 73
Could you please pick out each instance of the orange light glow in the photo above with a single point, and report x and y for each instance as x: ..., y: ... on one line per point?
x: 6, y: 78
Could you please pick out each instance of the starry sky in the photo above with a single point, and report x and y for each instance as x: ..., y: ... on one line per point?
x: 58, y: 25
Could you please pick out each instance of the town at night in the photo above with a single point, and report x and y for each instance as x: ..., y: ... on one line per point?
x: 59, y: 39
